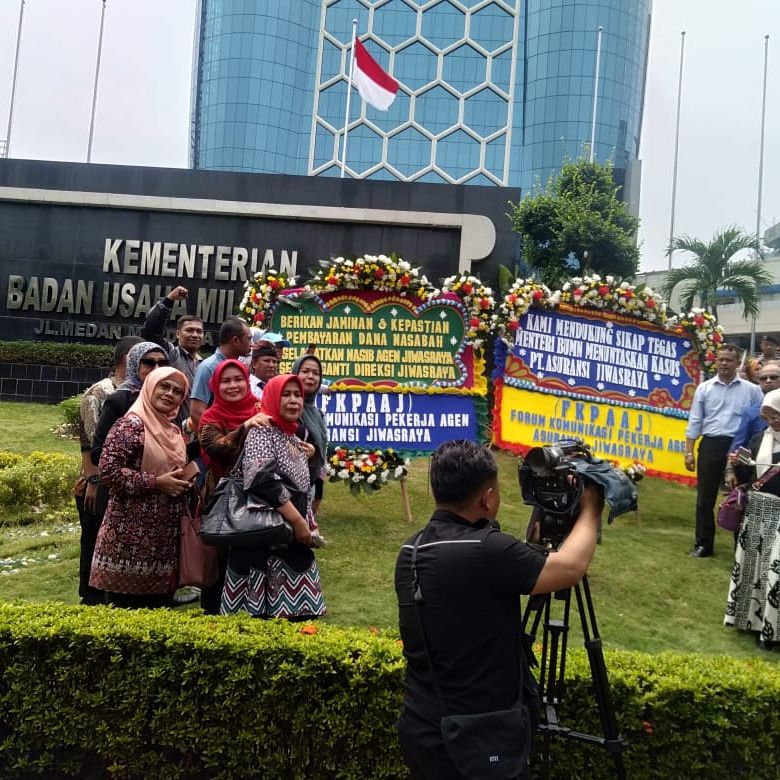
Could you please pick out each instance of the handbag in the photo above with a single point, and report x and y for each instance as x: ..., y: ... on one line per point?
x: 483, y: 746
x: 232, y: 517
x: 198, y: 562
x: 732, y: 509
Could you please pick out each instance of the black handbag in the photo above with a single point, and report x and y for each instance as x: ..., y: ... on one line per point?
x: 232, y: 517
x: 487, y: 745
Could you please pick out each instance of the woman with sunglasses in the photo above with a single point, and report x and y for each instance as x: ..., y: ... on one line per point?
x: 277, y: 582
x: 136, y: 556
x: 754, y: 591
x: 142, y: 359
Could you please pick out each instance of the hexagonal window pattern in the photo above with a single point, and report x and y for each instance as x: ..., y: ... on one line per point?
x: 480, y: 179
x: 339, y: 16
x: 464, y: 68
x: 492, y: 27
x: 433, y: 178
x: 382, y: 175
x: 331, y: 61
x: 415, y: 66
x: 436, y: 109
x: 332, y: 103
x: 495, y: 154
x: 397, y: 114
x: 364, y: 149
x: 485, y: 112
x: 457, y: 154
x: 409, y: 151
x: 501, y: 69
x: 395, y: 22
x: 443, y: 24
x: 325, y: 148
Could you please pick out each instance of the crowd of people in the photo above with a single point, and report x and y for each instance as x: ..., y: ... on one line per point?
x: 156, y: 437
x: 735, y: 417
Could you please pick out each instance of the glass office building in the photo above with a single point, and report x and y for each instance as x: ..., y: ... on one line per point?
x: 495, y: 92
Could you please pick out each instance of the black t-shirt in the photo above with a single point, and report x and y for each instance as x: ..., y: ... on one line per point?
x: 471, y: 576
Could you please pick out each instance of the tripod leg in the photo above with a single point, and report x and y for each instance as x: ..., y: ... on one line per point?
x: 613, y: 742
x: 552, y: 667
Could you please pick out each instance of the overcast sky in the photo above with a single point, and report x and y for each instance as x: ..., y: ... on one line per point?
x: 144, y: 96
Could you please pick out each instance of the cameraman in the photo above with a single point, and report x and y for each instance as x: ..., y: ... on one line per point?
x: 471, y: 576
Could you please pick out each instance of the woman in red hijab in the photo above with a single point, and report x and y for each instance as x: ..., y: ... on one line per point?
x: 277, y: 582
x: 222, y: 431
x: 225, y: 424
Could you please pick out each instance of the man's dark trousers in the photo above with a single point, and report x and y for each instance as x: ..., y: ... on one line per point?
x: 713, y: 451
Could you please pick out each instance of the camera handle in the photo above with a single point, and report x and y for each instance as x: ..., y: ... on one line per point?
x: 553, y: 670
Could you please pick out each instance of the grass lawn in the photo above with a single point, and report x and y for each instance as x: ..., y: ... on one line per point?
x: 649, y: 594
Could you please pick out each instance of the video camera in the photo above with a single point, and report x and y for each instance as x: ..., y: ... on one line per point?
x: 553, y: 478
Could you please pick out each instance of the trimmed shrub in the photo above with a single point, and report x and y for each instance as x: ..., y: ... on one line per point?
x: 36, y: 480
x: 69, y: 408
x: 93, y: 692
x: 53, y: 353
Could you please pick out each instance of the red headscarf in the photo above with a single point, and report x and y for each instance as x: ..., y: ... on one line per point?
x: 228, y: 415
x: 272, y: 401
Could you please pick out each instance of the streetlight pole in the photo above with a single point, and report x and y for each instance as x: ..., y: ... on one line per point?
x: 95, y: 89
x: 13, y: 83
x: 760, y: 177
x: 676, y: 148
x: 595, y: 95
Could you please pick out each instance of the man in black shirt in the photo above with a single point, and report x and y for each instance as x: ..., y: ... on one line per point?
x: 471, y: 576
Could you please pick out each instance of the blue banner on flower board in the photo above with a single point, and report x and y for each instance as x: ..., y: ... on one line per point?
x: 400, y: 421
x: 587, y: 354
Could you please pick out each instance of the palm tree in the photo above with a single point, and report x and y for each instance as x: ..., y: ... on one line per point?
x: 715, y: 269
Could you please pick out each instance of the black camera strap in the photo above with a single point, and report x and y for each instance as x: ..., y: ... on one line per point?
x: 419, y: 600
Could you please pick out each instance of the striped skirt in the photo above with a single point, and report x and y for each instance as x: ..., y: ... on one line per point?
x: 274, y: 590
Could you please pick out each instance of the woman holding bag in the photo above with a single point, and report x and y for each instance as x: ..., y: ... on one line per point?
x: 282, y: 582
x: 222, y: 431
x: 137, y: 550
x: 754, y: 589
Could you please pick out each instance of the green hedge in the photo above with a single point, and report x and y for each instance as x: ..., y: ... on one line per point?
x: 94, y: 692
x: 53, y: 353
x: 37, y: 479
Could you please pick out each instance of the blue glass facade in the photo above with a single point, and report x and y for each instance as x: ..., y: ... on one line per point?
x: 491, y: 91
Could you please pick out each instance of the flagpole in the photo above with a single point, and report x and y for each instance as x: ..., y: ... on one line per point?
x: 676, y: 148
x: 595, y: 94
x: 760, y: 178
x: 95, y: 89
x: 13, y: 83
x: 349, y: 93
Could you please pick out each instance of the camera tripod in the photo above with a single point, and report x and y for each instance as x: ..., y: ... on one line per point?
x: 553, y: 668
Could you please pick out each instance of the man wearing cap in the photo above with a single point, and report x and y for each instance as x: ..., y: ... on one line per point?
x: 265, y: 365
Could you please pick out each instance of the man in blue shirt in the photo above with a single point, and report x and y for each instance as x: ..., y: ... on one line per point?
x: 234, y: 342
x: 752, y: 423
x: 718, y: 405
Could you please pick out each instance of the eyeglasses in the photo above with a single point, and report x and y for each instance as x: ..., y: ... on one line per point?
x: 152, y: 363
x: 768, y: 376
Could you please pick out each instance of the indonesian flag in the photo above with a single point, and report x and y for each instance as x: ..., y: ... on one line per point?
x: 375, y: 86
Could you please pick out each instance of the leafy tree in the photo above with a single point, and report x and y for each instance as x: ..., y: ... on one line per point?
x: 714, y: 268
x: 576, y: 225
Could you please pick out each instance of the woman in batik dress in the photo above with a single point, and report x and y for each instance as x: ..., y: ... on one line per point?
x: 136, y: 558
